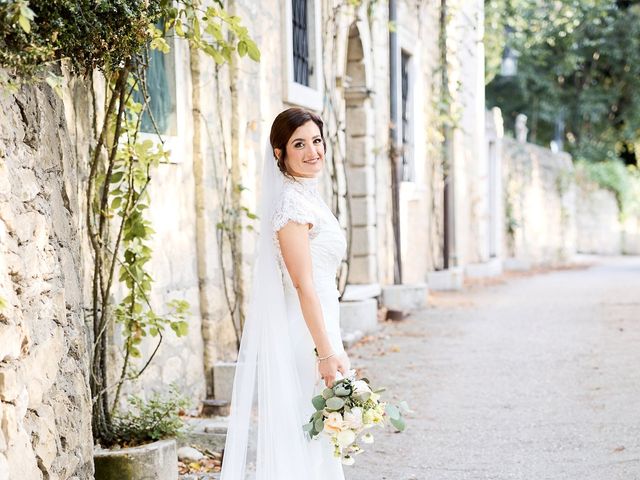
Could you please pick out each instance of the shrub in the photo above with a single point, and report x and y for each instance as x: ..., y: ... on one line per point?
x: 150, y: 420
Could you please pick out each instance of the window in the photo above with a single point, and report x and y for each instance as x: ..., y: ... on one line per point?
x: 303, y: 79
x: 166, y: 77
x: 161, y: 88
x: 408, y: 170
x: 300, y: 43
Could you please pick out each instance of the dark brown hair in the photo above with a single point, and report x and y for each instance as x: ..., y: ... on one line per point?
x: 283, y: 127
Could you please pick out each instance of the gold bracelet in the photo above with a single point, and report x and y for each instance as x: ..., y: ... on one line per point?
x: 328, y: 356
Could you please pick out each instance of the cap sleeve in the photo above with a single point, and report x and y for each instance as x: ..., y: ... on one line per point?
x: 292, y: 207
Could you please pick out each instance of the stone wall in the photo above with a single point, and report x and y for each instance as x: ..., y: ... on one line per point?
x: 45, y: 406
x: 597, y: 216
x: 539, y: 198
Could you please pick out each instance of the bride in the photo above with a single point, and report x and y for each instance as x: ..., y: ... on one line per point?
x: 291, y: 345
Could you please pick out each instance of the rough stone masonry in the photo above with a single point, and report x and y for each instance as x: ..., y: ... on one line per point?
x: 45, y: 405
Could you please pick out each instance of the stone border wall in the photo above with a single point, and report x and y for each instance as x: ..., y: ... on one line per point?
x: 539, y: 204
x: 45, y: 405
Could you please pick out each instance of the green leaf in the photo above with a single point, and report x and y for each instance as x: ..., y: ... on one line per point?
x: 327, y: 393
x: 392, y: 411
x: 318, y: 425
x: 318, y: 402
x: 24, y: 23
x: 116, y: 177
x: 252, y: 49
x: 242, y: 48
x: 308, y: 427
x: 335, y: 403
x: 398, y: 423
x: 342, y: 391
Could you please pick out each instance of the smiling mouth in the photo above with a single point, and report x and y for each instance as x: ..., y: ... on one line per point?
x: 314, y: 160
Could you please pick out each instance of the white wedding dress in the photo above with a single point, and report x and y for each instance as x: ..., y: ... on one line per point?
x: 276, y: 371
x: 301, y: 203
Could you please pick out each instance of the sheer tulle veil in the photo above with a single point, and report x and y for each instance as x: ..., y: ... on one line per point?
x: 265, y: 440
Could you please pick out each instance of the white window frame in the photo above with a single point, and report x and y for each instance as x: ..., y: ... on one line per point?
x: 295, y: 93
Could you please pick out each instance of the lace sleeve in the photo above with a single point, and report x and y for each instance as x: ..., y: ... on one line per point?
x: 292, y: 207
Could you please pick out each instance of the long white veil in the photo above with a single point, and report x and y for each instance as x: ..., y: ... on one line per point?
x: 265, y: 440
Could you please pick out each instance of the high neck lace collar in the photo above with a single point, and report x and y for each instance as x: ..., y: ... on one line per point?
x: 308, y: 183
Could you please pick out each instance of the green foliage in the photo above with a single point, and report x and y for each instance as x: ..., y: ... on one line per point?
x: 623, y: 182
x: 88, y: 33
x: 579, y: 61
x: 151, y: 420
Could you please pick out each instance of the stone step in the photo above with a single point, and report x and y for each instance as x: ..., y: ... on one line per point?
x: 205, y: 433
x: 450, y: 279
x: 359, y: 316
x: 405, y: 298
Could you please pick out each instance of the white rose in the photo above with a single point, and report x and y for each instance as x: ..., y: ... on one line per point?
x: 360, y: 386
x: 345, y: 438
x: 333, y: 423
x: 353, y: 419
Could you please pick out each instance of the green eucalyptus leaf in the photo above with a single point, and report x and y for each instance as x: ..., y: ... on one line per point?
x: 335, y: 403
x: 318, y: 402
x: 392, y: 411
x: 327, y: 393
x: 318, y: 425
x: 398, y: 423
x: 342, y: 391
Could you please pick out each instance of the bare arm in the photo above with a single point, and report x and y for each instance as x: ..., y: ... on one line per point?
x: 294, y: 244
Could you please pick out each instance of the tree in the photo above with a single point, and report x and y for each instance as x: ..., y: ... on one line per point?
x: 578, y: 72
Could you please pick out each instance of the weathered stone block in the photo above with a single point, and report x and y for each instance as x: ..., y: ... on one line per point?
x: 363, y: 240
x: 361, y: 315
x: 358, y: 121
x: 359, y: 151
x: 223, y: 375
x: 9, y: 388
x: 363, y: 269
x: 361, y: 181
x: 11, y: 338
x: 405, y: 298
x: 491, y: 268
x: 21, y: 457
x: 363, y: 211
x: 158, y: 461
x: 450, y: 279
x: 516, y: 264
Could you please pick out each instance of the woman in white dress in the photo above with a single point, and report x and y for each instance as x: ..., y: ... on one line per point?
x: 293, y: 310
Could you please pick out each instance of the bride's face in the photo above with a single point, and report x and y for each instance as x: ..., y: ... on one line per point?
x: 305, y: 151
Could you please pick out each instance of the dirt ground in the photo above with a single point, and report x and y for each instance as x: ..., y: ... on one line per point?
x: 525, y: 377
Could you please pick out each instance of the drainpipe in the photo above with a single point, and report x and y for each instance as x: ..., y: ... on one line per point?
x: 394, y: 152
x: 447, y: 153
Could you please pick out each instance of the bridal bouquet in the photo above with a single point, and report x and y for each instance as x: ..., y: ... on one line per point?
x: 347, y: 411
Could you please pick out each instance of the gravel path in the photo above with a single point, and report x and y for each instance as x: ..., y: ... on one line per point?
x: 531, y: 377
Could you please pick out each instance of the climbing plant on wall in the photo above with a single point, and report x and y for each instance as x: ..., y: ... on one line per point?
x: 116, y: 37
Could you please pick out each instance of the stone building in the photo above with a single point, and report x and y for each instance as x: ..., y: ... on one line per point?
x: 329, y: 56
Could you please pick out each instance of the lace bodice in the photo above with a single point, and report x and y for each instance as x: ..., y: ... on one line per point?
x: 301, y: 203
